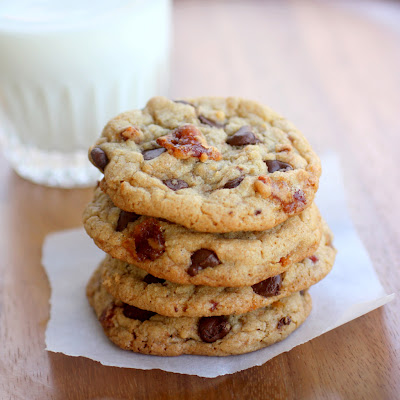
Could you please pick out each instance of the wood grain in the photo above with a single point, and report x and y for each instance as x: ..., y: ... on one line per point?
x: 335, y: 73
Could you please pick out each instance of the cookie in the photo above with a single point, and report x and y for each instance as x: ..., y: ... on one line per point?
x: 145, y: 332
x: 180, y: 255
x: 209, y: 164
x: 136, y: 287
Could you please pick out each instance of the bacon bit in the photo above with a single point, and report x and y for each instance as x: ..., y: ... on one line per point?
x: 132, y: 133
x: 292, y: 203
x: 188, y: 141
x: 146, y: 242
x: 214, y: 305
x: 285, y: 260
x: 297, y: 205
x: 106, y: 317
x: 283, y: 321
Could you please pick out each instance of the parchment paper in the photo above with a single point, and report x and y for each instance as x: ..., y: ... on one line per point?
x: 350, y: 290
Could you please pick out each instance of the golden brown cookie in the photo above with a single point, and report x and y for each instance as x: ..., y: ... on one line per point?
x: 209, y: 164
x: 136, y: 287
x: 145, y: 332
x: 180, y: 255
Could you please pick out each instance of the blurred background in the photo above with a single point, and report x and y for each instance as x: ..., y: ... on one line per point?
x: 307, y: 59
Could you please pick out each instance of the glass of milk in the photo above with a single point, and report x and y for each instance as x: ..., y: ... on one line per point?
x: 66, y: 68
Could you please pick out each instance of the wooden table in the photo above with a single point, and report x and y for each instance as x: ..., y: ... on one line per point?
x: 335, y: 73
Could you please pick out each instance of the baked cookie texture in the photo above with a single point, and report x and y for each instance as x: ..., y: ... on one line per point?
x: 136, y: 287
x: 209, y: 164
x: 235, y: 259
x: 149, y: 333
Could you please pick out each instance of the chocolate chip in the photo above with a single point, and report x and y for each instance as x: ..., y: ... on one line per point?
x: 183, y: 102
x: 257, y: 212
x: 149, y: 279
x: 233, y: 182
x: 208, y: 122
x: 268, y: 288
x: 124, y: 218
x: 99, y: 158
x: 283, y: 321
x: 201, y: 259
x: 213, y: 328
x: 243, y: 137
x: 276, y: 165
x: 302, y: 292
x: 153, y: 153
x: 136, y: 313
x: 175, y: 184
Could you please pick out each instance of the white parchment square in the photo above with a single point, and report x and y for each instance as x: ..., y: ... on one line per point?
x: 350, y: 290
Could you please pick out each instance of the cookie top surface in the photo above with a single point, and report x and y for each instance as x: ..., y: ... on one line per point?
x: 144, y: 332
x: 136, y: 287
x: 209, y: 164
x: 181, y: 255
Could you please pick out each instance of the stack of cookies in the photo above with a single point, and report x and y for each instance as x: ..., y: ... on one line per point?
x: 206, y: 214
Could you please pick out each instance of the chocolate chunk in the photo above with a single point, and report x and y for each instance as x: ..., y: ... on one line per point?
x: 175, y: 184
x: 149, y: 279
x: 208, y: 122
x: 243, y: 137
x: 213, y: 328
x: 183, y: 102
x: 201, y: 259
x: 283, y: 321
x: 124, y: 218
x: 303, y: 292
x: 99, y: 158
x: 153, y: 153
x: 136, y: 313
x: 275, y: 165
x: 257, y: 212
x: 268, y: 288
x: 233, y: 182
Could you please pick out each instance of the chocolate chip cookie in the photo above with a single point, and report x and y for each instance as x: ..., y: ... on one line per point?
x: 209, y: 164
x: 146, y: 332
x: 136, y: 287
x: 180, y: 255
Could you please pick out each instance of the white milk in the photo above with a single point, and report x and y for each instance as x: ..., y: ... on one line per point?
x: 66, y: 67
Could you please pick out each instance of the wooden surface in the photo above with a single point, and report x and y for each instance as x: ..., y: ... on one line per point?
x: 335, y: 73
